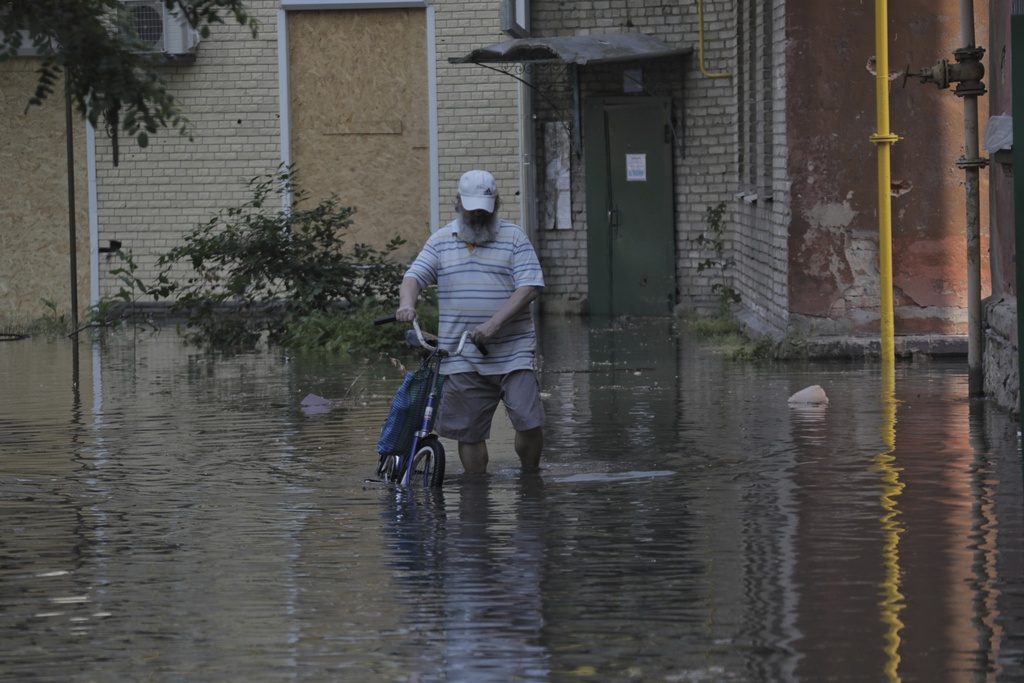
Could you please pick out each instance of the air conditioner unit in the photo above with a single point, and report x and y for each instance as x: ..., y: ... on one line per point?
x: 161, y: 29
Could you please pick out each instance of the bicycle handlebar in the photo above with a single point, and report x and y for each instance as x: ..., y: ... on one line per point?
x: 426, y: 344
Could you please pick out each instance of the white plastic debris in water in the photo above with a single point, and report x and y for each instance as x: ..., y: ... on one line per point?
x: 811, y: 396
x: 316, y: 405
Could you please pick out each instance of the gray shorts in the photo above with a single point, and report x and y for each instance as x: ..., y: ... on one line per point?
x: 470, y: 399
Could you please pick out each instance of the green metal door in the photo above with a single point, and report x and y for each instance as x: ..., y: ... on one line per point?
x: 630, y: 226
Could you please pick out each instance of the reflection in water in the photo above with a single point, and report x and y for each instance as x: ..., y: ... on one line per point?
x: 985, y: 540
x: 470, y: 578
x: 493, y: 612
x: 892, y: 599
x: 176, y: 516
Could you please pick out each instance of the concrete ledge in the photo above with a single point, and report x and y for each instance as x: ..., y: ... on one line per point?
x: 870, y: 347
x: 847, y: 346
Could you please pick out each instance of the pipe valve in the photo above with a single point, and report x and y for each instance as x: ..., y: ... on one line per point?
x: 938, y: 74
x: 967, y: 72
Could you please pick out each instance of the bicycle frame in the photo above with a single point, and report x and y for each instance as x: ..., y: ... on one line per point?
x: 406, y: 462
x: 427, y: 421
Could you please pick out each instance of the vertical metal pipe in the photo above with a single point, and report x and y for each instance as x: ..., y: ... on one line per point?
x: 972, y: 178
x: 528, y: 172
x: 892, y: 599
x: 72, y: 228
x: 284, y: 104
x: 527, y: 160
x: 884, y: 140
x: 967, y: 22
x: 700, y: 41
x: 577, y: 108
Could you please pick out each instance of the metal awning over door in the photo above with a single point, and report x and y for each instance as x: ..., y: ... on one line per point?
x: 581, y: 50
x: 573, y: 52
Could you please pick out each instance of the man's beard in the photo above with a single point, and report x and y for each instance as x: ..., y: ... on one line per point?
x: 478, y: 230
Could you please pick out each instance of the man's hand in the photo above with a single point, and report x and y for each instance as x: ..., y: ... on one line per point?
x: 407, y: 295
x: 516, y: 303
x: 483, y: 333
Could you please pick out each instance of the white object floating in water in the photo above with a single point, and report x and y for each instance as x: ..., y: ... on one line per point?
x: 316, y: 405
x: 811, y: 396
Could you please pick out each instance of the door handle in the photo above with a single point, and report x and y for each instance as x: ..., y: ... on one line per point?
x: 613, y: 219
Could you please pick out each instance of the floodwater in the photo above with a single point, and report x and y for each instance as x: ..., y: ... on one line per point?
x: 173, y: 516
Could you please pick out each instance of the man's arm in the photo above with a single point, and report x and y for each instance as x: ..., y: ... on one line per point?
x: 408, y: 293
x: 516, y: 304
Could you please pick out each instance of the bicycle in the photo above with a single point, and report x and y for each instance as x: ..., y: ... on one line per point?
x: 404, y: 454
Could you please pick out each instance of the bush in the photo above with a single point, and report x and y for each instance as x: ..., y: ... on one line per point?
x: 714, y: 238
x: 353, y: 331
x: 280, y: 273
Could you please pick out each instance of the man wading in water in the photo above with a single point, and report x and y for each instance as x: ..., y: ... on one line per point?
x: 487, y: 274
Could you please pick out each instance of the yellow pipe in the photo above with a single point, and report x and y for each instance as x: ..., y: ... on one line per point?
x: 892, y: 598
x: 884, y: 139
x: 700, y: 22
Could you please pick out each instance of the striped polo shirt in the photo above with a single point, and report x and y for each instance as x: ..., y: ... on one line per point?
x: 473, y: 282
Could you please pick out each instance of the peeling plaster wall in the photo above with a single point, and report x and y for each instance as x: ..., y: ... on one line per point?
x: 34, y: 234
x: 833, y: 242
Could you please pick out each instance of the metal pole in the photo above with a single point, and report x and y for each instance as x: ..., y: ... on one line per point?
x: 972, y: 179
x: 972, y: 163
x: 69, y: 122
x: 884, y: 140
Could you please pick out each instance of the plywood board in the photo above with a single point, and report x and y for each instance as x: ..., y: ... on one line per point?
x: 34, y: 233
x: 360, y: 117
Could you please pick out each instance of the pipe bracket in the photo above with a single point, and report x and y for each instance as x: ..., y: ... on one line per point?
x: 976, y: 162
x: 970, y: 89
x: 878, y: 138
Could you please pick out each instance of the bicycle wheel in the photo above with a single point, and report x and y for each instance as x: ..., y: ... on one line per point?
x: 428, y: 462
x: 387, y: 468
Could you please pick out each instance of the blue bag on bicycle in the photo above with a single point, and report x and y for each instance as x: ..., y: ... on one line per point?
x: 406, y: 414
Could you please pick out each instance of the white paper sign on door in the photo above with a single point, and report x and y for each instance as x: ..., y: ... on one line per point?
x: 636, y: 167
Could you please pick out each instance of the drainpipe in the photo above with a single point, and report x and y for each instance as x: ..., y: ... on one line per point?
x: 967, y: 73
x: 884, y: 140
x: 700, y: 33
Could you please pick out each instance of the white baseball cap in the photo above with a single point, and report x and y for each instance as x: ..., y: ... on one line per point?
x: 477, y: 190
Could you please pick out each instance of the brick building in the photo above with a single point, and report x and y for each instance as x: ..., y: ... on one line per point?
x: 611, y: 127
x: 359, y: 97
